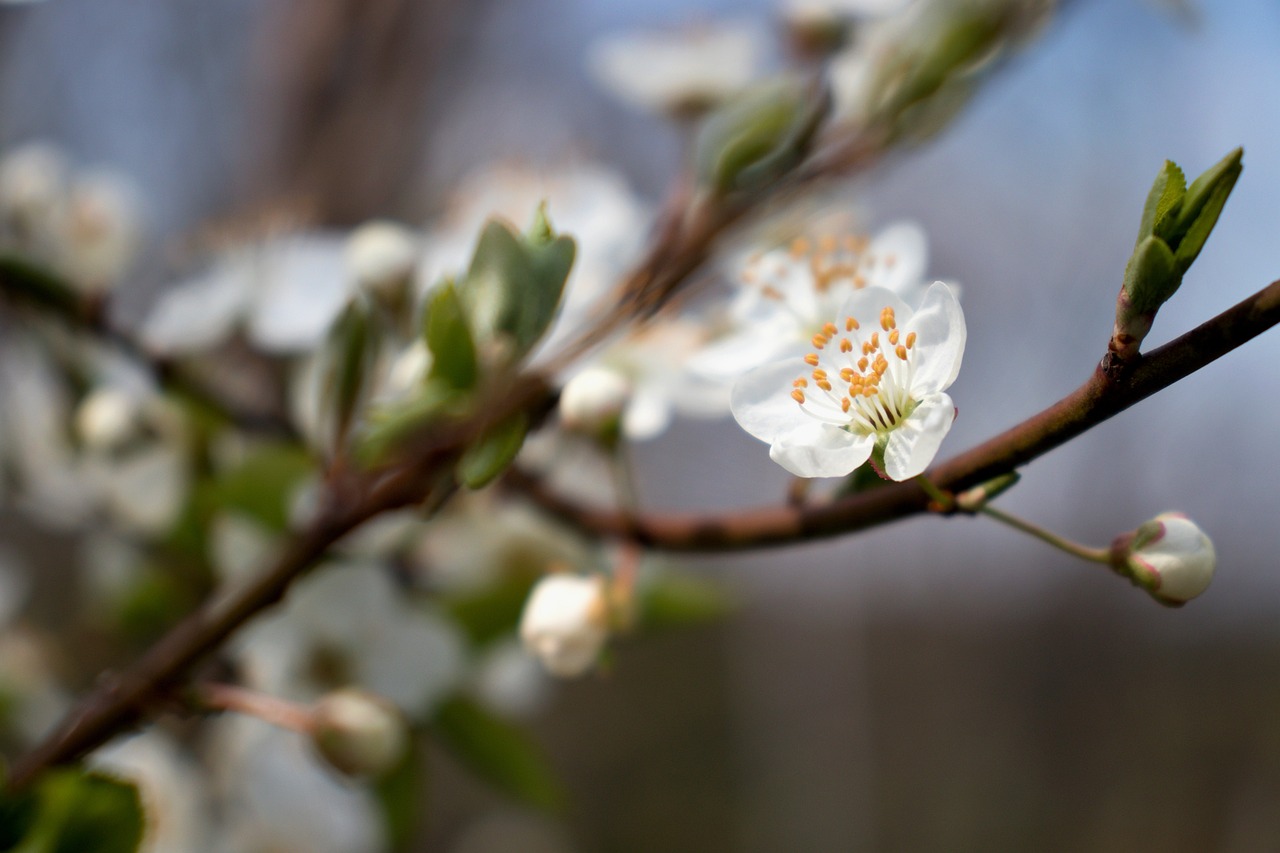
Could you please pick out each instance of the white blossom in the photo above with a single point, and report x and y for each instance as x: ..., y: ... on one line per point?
x: 358, y: 733
x: 566, y: 622
x: 1170, y: 556
x: 874, y: 382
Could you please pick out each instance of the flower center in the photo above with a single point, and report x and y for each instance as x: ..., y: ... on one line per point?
x: 860, y: 384
x: 828, y: 259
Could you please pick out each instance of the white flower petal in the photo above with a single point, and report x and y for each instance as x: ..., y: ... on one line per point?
x: 901, y: 253
x: 821, y: 450
x: 761, y: 402
x: 939, y: 325
x: 303, y: 285
x: 201, y: 312
x: 912, y: 446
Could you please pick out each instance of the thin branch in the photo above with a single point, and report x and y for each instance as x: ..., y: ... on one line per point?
x: 1098, y: 399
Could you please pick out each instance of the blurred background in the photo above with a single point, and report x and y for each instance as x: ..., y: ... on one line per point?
x: 936, y: 684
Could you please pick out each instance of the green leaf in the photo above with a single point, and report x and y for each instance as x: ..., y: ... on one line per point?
x: 74, y: 812
x: 490, y: 455
x: 1203, y: 204
x: 1150, y: 277
x: 1163, y: 200
x: 757, y: 135
x: 389, y: 429
x: 448, y: 337
x: 494, y: 610
x: 400, y: 794
x: 498, y: 752
x: 262, y: 485
x: 673, y: 600
x: 352, y: 355
x: 514, y: 284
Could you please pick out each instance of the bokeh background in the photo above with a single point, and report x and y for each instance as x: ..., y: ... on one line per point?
x: 934, y: 685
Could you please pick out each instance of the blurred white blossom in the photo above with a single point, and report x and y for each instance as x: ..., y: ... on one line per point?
x: 173, y: 788
x: 566, y: 622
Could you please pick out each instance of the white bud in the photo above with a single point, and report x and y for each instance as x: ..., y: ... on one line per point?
x: 358, y: 733
x: 566, y: 622
x: 381, y: 255
x: 106, y: 418
x: 593, y: 400
x: 1169, y: 556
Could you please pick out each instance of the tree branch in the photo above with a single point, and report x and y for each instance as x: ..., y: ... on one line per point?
x: 1095, y: 401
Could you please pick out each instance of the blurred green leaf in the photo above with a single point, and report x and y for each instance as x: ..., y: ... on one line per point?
x: 351, y: 354
x: 674, y: 600
x: 400, y: 794
x: 758, y: 134
x: 498, y: 752
x: 490, y: 455
x: 448, y: 337
x: 72, y: 811
x: 493, y: 611
x: 261, y: 486
x: 388, y: 429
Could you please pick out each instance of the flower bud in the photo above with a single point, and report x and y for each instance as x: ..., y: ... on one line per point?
x: 381, y: 256
x: 1168, y: 556
x: 565, y: 623
x: 593, y: 400
x: 106, y: 419
x: 358, y: 733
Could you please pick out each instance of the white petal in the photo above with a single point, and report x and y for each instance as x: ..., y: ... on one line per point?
x: 761, y: 401
x: 939, y: 326
x: 302, y: 288
x: 912, y: 446
x: 865, y: 306
x: 201, y: 312
x: 821, y: 450
x: 901, y: 254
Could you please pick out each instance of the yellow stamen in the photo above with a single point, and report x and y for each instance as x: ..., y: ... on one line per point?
x: 901, y: 352
x: 850, y: 324
x: 798, y: 396
x: 844, y: 404
x: 829, y: 329
x: 911, y: 340
x: 846, y: 345
x: 819, y: 341
x: 893, y: 337
x: 811, y: 359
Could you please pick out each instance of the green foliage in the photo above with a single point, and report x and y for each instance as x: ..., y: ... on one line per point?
x: 352, y: 355
x: 493, y: 611
x: 448, y: 337
x: 1176, y: 223
x: 673, y: 600
x: 71, y: 811
x: 758, y: 135
x: 498, y: 752
x: 389, y: 429
x: 490, y: 455
x: 262, y: 485
x: 400, y: 793
x: 514, y: 284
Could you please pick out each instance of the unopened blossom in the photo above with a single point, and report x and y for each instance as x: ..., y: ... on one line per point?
x: 593, y: 400
x: 873, y: 383
x: 358, y: 733
x: 1169, y: 556
x: 566, y: 622
x: 381, y: 256
x: 788, y: 293
x: 678, y: 71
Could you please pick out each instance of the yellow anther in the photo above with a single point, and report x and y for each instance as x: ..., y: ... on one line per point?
x: 823, y: 384
x: 819, y: 341
x: 799, y: 247
x: 829, y: 329
x: 859, y: 281
x: 844, y: 404
x: 866, y: 347
x: 862, y: 364
x: 771, y: 292
x: 881, y: 365
x: 875, y: 341
x: 847, y: 374
x: 846, y: 345
x: 893, y: 336
x: 887, y: 320
x: 811, y: 359
x: 798, y: 396
x: 819, y: 374
x: 870, y: 391
x: 911, y: 339
x: 901, y: 352
x: 801, y: 383
x: 850, y: 324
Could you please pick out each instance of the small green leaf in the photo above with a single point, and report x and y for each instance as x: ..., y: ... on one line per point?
x: 673, y: 600
x: 262, y: 485
x: 1163, y: 200
x: 73, y: 812
x: 490, y: 455
x: 758, y: 135
x: 352, y: 355
x: 494, y: 610
x: 1203, y: 204
x: 389, y: 429
x: 1150, y: 277
x: 498, y: 752
x: 448, y: 337
x: 400, y: 794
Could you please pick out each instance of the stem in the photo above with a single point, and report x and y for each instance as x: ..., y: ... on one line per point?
x: 271, y: 709
x: 1093, y: 555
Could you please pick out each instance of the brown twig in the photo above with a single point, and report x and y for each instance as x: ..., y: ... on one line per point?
x: 1098, y: 399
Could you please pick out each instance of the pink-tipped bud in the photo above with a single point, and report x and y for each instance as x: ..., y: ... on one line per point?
x: 1168, y: 556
